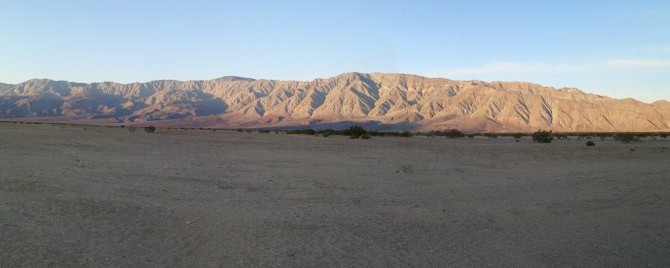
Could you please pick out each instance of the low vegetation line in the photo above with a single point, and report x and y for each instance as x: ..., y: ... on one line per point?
x: 358, y: 132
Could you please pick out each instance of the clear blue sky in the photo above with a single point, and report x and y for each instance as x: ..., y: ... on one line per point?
x: 615, y: 48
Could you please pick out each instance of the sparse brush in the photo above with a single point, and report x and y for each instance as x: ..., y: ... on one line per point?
x: 590, y: 143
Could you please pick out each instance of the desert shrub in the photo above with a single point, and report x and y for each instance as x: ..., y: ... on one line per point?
x: 327, y: 132
x: 132, y: 129
x: 561, y: 136
x: 491, y: 135
x: 306, y: 131
x: 453, y: 133
x: 449, y: 133
x: 590, y: 143
x: 365, y: 137
x: 626, y: 137
x: 472, y: 136
x: 150, y: 129
x: 543, y: 136
x: 406, y: 134
x: 354, y: 132
x: 376, y: 133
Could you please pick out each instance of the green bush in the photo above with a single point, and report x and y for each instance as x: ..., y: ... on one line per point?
x: 543, y: 136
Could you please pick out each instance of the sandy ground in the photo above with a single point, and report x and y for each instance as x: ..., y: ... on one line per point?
x: 96, y: 196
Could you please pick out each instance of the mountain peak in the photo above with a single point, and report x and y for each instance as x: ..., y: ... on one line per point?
x: 382, y: 100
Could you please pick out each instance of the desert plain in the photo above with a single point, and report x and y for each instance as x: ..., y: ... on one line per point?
x: 103, y: 196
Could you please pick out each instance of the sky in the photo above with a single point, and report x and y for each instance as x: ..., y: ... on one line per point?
x: 615, y: 48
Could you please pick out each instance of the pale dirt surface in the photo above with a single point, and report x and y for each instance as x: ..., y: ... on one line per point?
x: 107, y: 197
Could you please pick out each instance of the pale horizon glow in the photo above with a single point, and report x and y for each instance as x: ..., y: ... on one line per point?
x: 620, y: 49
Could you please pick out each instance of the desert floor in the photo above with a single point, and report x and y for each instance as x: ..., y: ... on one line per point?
x: 102, y: 196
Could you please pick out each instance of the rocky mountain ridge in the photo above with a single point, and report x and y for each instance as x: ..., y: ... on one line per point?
x: 383, y: 101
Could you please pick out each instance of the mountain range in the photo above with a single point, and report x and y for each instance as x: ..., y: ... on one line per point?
x: 376, y: 100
